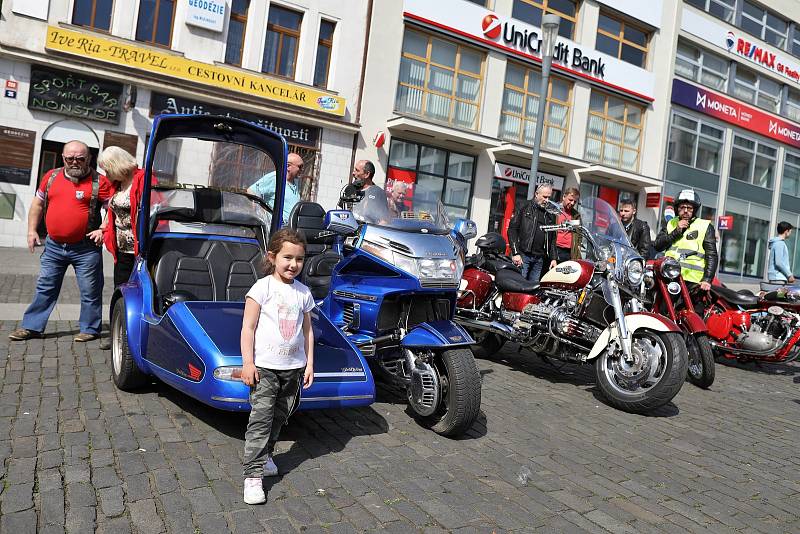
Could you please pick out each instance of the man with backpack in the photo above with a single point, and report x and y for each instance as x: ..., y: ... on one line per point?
x: 70, y: 199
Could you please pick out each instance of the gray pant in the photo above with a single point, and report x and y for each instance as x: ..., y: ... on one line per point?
x: 270, y: 400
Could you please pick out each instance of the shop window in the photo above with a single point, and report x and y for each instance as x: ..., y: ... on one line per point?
x: 614, y: 133
x: 744, y: 248
x: 280, y: 48
x: 440, y: 80
x: 622, y: 40
x: 758, y: 90
x: 722, y: 9
x: 324, y: 48
x: 479, y: 2
x: 701, y: 66
x: 793, y: 105
x: 791, y: 243
x: 764, y: 24
x: 796, y: 41
x: 531, y: 11
x: 155, y: 22
x: 521, y: 108
x: 695, y: 143
x: 434, y: 174
x: 94, y: 14
x: 790, y: 183
x: 7, y: 203
x: 753, y: 162
x: 708, y: 208
x: 236, y: 31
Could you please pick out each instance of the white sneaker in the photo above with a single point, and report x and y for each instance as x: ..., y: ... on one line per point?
x: 270, y: 469
x: 254, y: 491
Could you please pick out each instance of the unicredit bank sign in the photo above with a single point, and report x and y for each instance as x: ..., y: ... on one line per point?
x: 517, y: 38
x: 522, y: 175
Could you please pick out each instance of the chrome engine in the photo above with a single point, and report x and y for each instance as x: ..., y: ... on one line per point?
x: 766, y: 333
x: 551, y: 323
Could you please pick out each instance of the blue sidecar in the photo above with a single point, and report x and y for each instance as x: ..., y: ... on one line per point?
x: 201, y: 238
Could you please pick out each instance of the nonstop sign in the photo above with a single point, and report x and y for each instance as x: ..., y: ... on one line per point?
x: 168, y: 64
x: 740, y: 45
x: 732, y: 112
x: 524, y: 40
x: 521, y: 175
x: 208, y: 14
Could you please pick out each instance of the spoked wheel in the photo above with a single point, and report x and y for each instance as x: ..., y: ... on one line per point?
x: 701, y: 370
x: 486, y: 343
x: 652, y: 379
x: 446, y: 394
x: 126, y: 374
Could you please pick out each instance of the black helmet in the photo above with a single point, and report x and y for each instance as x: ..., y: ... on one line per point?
x: 491, y: 242
x: 688, y: 196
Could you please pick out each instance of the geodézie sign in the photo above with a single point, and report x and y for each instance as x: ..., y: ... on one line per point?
x: 732, y: 112
x: 71, y: 93
x: 208, y: 14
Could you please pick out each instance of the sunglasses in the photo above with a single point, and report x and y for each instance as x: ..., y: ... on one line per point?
x: 70, y: 159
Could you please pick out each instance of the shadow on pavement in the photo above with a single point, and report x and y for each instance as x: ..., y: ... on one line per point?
x: 780, y: 369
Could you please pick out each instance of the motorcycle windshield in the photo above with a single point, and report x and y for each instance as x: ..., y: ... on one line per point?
x: 602, y: 221
x: 417, y: 215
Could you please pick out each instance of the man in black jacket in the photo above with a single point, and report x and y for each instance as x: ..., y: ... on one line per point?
x: 531, y: 247
x: 638, y: 231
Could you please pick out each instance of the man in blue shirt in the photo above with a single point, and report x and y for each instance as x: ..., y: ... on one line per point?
x: 779, y: 269
x: 265, y: 186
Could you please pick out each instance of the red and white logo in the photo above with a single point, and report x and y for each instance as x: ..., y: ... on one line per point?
x: 491, y: 26
x: 508, y: 172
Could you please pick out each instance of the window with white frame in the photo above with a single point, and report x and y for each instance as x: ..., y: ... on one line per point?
x: 757, y: 89
x: 753, y: 162
x: 614, y: 132
x: 722, y: 9
x: 695, y: 143
x: 702, y: 66
x: 793, y: 105
x: 790, y: 183
x: 764, y: 24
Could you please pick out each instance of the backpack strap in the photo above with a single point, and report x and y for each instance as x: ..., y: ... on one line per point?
x: 94, y: 208
x: 50, y: 180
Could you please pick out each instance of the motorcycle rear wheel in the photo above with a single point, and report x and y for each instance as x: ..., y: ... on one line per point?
x: 461, y: 394
x: 486, y: 343
x: 701, y: 371
x: 659, y: 380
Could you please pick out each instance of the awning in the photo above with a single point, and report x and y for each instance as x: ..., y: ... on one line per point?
x: 441, y: 135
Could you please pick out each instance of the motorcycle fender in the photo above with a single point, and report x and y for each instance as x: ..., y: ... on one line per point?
x: 692, y: 321
x: 634, y: 322
x: 437, y: 334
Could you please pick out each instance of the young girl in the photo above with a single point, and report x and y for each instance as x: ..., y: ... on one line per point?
x: 277, y: 349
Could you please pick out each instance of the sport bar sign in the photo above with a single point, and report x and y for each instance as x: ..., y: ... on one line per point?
x: 171, y: 65
x: 73, y: 94
x: 732, y: 112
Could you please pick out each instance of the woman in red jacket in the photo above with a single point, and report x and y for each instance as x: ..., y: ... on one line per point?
x: 119, y: 227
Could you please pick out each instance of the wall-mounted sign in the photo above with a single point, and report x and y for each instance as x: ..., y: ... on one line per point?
x: 295, y: 133
x: 10, y: 93
x: 73, y: 94
x: 126, y: 142
x: 522, y: 175
x: 166, y: 63
x: 517, y: 38
x: 12, y: 84
x: 208, y: 14
x: 732, y: 112
x: 741, y: 45
x: 16, y: 158
x: 653, y: 200
x: 725, y: 222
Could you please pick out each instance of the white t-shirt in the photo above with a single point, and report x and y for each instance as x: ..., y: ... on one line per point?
x: 279, y: 342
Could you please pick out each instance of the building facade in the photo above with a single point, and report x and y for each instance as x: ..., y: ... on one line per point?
x: 451, y: 97
x: 100, y: 70
x: 735, y: 123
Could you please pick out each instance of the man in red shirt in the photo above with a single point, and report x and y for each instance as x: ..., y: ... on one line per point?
x: 70, y: 198
x: 566, y: 242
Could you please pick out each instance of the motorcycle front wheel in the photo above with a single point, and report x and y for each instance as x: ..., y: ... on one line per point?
x: 701, y: 370
x: 654, y: 377
x: 459, y: 394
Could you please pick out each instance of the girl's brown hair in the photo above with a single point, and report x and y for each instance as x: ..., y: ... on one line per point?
x: 276, y: 241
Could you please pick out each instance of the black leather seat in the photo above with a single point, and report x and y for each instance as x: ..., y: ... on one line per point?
x: 736, y: 298
x: 512, y: 281
x: 309, y: 219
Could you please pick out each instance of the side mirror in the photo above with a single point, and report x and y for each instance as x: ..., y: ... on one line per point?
x: 467, y: 228
x: 341, y: 222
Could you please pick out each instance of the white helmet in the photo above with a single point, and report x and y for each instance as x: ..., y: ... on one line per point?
x: 688, y: 196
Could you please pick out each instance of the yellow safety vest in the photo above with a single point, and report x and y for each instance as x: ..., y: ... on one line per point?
x: 692, y: 268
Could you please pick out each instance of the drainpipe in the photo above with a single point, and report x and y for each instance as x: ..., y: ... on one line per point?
x: 361, y: 86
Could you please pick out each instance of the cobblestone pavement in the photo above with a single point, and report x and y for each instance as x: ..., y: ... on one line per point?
x: 546, y: 455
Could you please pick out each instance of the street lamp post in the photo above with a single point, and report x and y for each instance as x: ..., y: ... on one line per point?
x: 550, y: 24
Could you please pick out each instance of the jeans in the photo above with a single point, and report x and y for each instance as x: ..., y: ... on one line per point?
x: 532, y: 267
x: 87, y: 260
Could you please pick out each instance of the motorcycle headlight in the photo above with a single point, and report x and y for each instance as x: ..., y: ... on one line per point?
x: 670, y: 269
x: 439, y: 269
x: 407, y: 263
x: 634, y: 272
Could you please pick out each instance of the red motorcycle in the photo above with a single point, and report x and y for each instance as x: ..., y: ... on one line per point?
x: 582, y: 311
x: 669, y: 295
x: 746, y: 327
